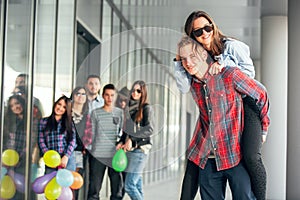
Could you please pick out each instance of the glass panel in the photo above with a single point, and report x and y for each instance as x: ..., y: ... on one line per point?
x: 106, y: 20
x: 44, y: 63
x: 89, y: 13
x: 15, y: 91
x: 106, y: 43
x: 44, y: 66
x: 65, y: 45
x: 115, y: 51
x: 124, y: 57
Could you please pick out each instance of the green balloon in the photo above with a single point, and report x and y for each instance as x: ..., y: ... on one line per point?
x: 119, y: 161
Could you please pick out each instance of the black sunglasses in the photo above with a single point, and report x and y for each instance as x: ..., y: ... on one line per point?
x: 199, y: 32
x: 138, y: 91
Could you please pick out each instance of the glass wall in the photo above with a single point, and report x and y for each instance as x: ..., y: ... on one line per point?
x: 144, y: 54
x: 44, y: 58
x: 16, y: 106
x: 37, y: 68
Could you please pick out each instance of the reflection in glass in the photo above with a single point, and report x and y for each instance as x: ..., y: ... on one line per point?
x: 16, y: 72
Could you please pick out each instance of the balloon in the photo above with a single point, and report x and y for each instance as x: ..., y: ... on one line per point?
x: 52, y: 158
x: 19, y: 180
x: 64, y: 177
x: 78, y: 181
x: 38, y: 186
x: 3, y: 172
x: 10, y: 157
x: 66, y: 194
x: 8, y: 188
x: 119, y: 161
x: 52, y: 190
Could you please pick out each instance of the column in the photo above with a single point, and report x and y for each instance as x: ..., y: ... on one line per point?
x: 274, y: 68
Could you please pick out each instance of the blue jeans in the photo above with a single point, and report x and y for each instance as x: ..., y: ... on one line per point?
x: 133, y: 181
x: 213, y: 182
x: 71, y: 165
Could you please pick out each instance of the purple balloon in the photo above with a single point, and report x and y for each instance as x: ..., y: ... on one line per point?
x: 19, y: 180
x: 66, y: 194
x: 38, y: 186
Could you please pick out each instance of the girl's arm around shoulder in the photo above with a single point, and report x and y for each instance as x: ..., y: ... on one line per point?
x: 237, y: 53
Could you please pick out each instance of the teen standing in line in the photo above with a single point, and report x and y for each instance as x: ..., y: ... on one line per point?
x: 57, y: 132
x: 137, y: 138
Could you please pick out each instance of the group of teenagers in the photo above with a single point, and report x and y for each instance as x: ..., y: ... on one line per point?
x: 87, y: 128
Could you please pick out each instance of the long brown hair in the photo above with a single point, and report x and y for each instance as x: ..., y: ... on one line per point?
x: 66, y: 119
x: 10, y: 117
x: 143, y: 99
x: 217, y: 45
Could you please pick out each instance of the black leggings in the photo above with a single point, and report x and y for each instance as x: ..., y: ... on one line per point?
x: 251, y: 145
x: 190, y: 183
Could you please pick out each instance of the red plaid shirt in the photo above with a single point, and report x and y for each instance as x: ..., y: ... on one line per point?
x: 220, y: 121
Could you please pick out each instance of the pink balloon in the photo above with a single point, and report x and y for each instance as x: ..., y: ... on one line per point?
x: 19, y: 180
x: 38, y: 186
x: 66, y: 194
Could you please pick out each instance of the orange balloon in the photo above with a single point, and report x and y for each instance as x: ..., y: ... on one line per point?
x: 78, y: 181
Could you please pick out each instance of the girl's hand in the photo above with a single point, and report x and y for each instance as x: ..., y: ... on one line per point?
x: 64, y: 161
x: 128, y: 145
x: 215, y: 68
x: 264, y: 138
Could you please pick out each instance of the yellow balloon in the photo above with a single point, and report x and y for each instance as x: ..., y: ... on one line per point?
x: 52, y: 158
x: 52, y: 189
x: 10, y: 157
x: 8, y: 188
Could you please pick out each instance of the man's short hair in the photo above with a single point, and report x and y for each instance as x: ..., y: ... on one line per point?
x: 108, y: 87
x: 93, y: 76
x: 196, y: 47
x: 23, y: 75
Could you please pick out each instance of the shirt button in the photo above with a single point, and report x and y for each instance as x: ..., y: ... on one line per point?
x: 215, y: 149
x: 209, y: 110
